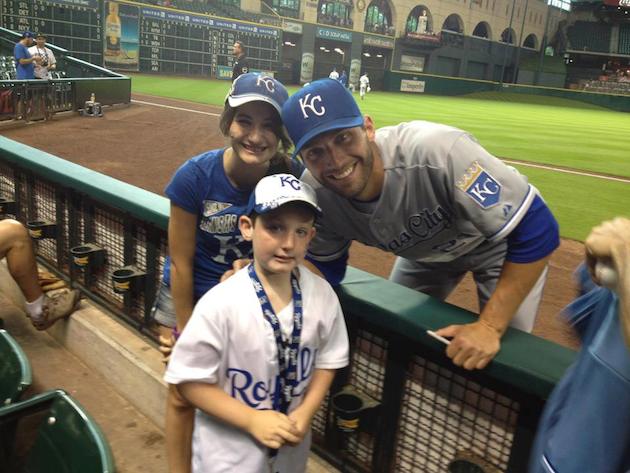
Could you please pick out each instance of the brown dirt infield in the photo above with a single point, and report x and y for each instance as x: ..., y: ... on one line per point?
x: 144, y: 144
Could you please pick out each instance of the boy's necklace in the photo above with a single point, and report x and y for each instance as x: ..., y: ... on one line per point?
x: 287, y: 350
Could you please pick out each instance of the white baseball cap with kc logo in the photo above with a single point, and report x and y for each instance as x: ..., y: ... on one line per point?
x: 277, y: 190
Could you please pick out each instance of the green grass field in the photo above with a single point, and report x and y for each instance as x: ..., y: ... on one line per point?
x: 544, y: 130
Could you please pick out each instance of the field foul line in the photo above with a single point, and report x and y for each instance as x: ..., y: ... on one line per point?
x: 176, y: 108
x: 569, y: 171
x: 509, y: 161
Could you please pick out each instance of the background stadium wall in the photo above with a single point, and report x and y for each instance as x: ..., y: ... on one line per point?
x: 441, y: 85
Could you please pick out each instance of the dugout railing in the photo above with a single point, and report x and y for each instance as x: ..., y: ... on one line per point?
x: 427, y: 414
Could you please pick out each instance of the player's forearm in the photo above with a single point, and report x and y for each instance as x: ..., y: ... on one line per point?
x: 211, y: 399
x: 317, y: 389
x: 515, y: 283
x: 182, y: 290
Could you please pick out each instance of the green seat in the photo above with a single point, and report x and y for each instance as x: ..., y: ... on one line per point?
x: 15, y: 369
x: 64, y: 438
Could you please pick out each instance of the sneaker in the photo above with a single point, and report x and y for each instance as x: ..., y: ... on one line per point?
x: 59, y: 306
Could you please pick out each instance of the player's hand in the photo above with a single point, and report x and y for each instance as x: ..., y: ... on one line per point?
x: 273, y: 429
x: 609, y: 243
x: 37, y: 58
x: 473, y: 345
x: 302, y: 422
x: 166, y: 347
x: 236, y: 266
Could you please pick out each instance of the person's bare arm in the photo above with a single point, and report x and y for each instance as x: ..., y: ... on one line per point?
x: 182, y: 230
x: 271, y: 428
x: 609, y: 243
x: 475, y: 344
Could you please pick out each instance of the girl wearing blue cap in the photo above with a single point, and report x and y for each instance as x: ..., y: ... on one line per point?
x: 208, y: 194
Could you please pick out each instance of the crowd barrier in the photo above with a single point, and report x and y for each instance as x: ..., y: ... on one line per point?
x: 414, y: 412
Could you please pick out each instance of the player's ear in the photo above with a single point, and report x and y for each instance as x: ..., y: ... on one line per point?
x: 368, y: 125
x: 246, y: 226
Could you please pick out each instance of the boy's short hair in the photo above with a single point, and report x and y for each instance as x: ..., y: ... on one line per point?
x: 272, y: 192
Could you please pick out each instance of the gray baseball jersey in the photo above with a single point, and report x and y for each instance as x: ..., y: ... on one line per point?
x: 443, y: 195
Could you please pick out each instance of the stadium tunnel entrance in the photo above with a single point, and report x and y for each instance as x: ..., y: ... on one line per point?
x: 330, y: 54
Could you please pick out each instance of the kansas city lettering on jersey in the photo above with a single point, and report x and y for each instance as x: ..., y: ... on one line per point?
x: 420, y: 227
x: 480, y: 186
x: 254, y: 392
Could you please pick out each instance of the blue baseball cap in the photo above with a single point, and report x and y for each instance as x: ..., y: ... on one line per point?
x: 276, y: 190
x: 321, y: 106
x: 28, y: 34
x: 252, y: 87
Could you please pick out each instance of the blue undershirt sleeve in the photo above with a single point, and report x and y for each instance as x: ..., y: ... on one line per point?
x: 334, y: 271
x: 536, y: 235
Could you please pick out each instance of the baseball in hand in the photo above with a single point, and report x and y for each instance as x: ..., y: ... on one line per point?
x: 606, y: 275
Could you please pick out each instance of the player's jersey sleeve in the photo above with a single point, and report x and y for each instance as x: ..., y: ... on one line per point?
x: 184, y: 187
x: 51, y: 58
x: 333, y: 352
x: 489, y: 194
x: 197, y: 354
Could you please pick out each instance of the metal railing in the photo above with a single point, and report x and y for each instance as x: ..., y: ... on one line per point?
x: 422, y: 413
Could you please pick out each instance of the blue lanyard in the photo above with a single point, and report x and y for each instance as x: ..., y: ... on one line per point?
x: 287, y: 350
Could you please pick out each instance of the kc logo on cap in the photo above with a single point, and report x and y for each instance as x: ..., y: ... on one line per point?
x: 308, y: 102
x: 323, y: 105
x: 279, y: 189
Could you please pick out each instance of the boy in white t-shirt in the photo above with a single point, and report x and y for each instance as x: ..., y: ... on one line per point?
x: 257, y: 378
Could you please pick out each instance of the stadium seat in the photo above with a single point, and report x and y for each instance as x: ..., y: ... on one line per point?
x: 54, y: 434
x: 15, y: 370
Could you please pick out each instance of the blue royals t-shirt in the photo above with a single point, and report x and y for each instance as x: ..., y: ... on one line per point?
x: 201, y: 187
x: 23, y: 71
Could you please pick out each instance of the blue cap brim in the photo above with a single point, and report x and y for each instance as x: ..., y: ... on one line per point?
x: 339, y: 124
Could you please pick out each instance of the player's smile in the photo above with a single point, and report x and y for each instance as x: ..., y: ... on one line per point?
x: 344, y: 173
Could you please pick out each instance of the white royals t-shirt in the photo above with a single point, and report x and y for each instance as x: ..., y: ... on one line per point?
x: 229, y: 343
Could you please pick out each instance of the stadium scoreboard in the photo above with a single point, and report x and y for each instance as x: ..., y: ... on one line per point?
x: 184, y: 43
x: 125, y: 35
x: 74, y: 25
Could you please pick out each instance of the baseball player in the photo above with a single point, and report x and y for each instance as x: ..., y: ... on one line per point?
x: 364, y: 85
x: 259, y: 352
x: 586, y: 422
x: 430, y: 194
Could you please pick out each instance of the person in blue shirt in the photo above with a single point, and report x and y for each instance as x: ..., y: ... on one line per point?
x: 208, y: 194
x: 24, y: 62
x: 344, y: 78
x: 585, y: 426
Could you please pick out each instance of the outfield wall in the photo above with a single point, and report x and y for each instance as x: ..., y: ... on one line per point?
x: 397, y: 81
x: 429, y: 413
